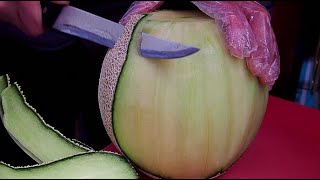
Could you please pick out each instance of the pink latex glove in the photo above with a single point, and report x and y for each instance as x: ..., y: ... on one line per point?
x: 247, y: 30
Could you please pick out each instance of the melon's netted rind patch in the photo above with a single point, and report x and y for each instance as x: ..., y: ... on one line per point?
x: 110, y: 72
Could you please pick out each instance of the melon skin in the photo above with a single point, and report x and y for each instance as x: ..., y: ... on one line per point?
x: 190, y: 117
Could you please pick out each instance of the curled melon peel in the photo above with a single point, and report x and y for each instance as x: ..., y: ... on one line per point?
x: 89, y: 165
x: 4, y: 82
x: 58, y: 156
x: 191, y: 117
x: 31, y: 133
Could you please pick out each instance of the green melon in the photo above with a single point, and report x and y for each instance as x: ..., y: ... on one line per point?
x: 190, y: 117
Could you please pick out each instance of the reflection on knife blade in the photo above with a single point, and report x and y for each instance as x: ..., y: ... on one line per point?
x: 88, y: 26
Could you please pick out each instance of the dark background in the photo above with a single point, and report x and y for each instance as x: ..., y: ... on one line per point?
x: 59, y: 73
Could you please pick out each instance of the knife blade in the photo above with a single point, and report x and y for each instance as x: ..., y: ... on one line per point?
x: 85, y: 25
x: 88, y: 26
x: 153, y: 47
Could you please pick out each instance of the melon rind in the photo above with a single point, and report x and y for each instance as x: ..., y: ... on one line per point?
x: 109, y: 75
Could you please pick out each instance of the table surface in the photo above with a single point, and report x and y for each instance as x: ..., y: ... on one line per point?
x: 286, y: 146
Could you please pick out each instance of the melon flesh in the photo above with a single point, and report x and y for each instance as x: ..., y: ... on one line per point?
x: 190, y: 117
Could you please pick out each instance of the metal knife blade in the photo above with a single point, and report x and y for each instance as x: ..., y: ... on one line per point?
x: 88, y: 26
x: 77, y: 22
x: 153, y: 47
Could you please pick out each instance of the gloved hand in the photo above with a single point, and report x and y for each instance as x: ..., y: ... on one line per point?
x: 247, y: 30
x: 25, y: 15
